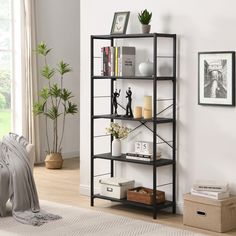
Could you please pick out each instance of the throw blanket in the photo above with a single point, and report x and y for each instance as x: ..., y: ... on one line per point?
x: 17, y: 183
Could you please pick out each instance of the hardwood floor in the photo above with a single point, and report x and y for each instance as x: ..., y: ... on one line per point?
x: 62, y: 186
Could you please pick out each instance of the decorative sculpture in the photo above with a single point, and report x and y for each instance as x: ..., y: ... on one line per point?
x: 129, y: 112
x: 114, y: 100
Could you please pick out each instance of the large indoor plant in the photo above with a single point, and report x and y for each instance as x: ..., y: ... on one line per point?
x: 145, y: 17
x: 54, y: 104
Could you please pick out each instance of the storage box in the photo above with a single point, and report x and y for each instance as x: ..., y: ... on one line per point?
x: 115, y: 187
x: 144, y: 195
x: 210, y: 214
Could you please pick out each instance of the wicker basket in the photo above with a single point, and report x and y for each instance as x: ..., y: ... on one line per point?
x: 54, y: 161
x: 144, y: 195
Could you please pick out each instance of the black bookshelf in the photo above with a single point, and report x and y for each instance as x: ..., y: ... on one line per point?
x: 156, y: 120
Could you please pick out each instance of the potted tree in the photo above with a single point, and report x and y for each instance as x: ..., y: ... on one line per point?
x: 54, y: 104
x: 145, y: 17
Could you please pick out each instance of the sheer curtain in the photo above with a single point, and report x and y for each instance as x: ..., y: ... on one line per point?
x: 30, y: 126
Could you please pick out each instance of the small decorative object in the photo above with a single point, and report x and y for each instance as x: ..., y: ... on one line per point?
x: 216, y: 78
x: 138, y: 112
x: 146, y: 148
x: 114, y: 101
x: 55, y: 104
x: 129, y: 112
x: 145, y: 18
x: 146, y: 68
x: 120, y: 22
x: 118, y: 132
x: 147, y: 108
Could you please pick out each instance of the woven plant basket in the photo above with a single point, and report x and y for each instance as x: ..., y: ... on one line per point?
x: 54, y: 161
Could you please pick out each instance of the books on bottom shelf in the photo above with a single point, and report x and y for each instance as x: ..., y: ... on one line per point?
x: 210, y: 194
x: 142, y: 157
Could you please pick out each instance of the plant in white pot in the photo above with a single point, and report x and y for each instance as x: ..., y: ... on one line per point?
x: 54, y: 104
x: 145, y: 18
x: 118, y: 132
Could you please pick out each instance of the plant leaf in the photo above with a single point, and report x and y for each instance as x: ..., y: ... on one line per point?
x: 63, y: 68
x: 47, y: 72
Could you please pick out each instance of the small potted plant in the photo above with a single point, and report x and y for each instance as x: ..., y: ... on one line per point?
x: 54, y: 104
x: 118, y: 132
x: 145, y: 17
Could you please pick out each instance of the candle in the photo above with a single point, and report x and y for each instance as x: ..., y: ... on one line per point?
x: 147, y: 108
x: 138, y: 112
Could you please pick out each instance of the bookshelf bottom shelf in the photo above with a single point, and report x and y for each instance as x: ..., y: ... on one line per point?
x: 161, y: 206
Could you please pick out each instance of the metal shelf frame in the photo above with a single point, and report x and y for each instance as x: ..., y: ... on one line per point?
x: 155, y: 120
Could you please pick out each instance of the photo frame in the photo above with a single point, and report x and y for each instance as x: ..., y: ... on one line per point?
x: 120, y: 22
x: 216, y: 78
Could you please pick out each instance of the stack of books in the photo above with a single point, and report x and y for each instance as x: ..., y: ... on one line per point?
x: 141, y: 157
x: 211, y: 189
x: 118, y: 61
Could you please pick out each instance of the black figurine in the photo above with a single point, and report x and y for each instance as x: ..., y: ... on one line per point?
x: 129, y: 112
x: 114, y: 100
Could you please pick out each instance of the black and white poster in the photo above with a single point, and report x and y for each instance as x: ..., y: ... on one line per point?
x: 216, y: 72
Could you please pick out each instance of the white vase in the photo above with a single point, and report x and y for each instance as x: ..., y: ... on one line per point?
x: 116, y: 148
x: 146, y: 68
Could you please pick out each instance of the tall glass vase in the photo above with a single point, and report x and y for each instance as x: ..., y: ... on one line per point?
x: 116, y: 147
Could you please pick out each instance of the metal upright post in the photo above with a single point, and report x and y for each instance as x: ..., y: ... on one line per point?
x: 112, y: 90
x: 92, y: 121
x: 154, y: 123
x: 174, y: 127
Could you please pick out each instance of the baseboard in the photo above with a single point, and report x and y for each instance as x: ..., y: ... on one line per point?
x: 180, y: 208
x: 68, y: 155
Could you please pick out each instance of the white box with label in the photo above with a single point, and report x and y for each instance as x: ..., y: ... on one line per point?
x: 115, y: 187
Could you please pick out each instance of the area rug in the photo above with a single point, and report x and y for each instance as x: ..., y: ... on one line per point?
x: 84, y: 222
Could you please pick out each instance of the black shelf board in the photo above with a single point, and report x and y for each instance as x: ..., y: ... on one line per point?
x: 158, y: 120
x: 164, y: 205
x: 134, y: 77
x: 117, y: 36
x: 122, y: 158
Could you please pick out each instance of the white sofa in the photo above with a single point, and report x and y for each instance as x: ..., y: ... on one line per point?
x: 31, y: 153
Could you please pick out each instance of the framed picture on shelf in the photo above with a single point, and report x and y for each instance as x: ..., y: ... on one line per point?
x: 120, y: 22
x: 216, y: 78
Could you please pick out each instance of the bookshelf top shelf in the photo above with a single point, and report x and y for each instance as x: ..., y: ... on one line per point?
x: 117, y: 36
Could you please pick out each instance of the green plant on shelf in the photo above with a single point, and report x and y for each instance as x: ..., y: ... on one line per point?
x: 145, y: 17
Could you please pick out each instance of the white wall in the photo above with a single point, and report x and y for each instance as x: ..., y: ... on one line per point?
x: 206, y: 134
x: 58, y: 25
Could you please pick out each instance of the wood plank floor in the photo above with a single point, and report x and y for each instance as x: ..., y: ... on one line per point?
x: 62, y: 186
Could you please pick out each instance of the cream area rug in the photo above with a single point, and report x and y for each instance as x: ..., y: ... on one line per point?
x: 84, y: 222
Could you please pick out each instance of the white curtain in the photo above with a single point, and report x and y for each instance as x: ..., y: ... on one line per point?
x: 29, y: 80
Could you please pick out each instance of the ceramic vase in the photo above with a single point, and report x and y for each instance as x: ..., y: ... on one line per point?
x: 116, y: 147
x: 146, y: 68
x: 146, y: 29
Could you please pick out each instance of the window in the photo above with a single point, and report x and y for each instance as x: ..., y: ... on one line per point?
x: 9, y: 39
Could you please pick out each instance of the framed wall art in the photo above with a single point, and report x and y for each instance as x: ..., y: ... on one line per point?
x: 216, y: 78
x: 120, y: 22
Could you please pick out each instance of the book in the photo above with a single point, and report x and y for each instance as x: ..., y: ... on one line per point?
x: 138, y: 158
x: 141, y: 157
x: 141, y: 154
x: 211, y: 185
x: 210, y: 194
x: 112, y: 56
x: 126, y: 61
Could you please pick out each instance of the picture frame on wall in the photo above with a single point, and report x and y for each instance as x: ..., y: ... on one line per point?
x: 216, y: 78
x: 120, y: 22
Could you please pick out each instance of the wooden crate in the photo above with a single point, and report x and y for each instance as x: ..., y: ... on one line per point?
x: 144, y: 195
